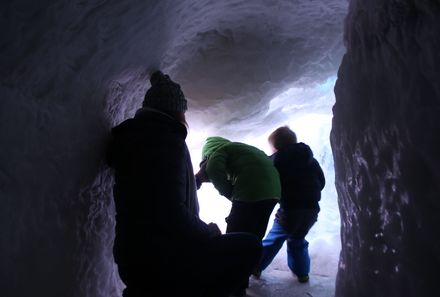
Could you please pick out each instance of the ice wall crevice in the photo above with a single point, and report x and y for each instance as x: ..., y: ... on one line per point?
x: 386, y: 149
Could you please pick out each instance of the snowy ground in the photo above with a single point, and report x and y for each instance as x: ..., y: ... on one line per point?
x: 277, y: 280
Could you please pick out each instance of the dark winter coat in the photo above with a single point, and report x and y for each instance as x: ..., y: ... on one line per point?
x: 302, y: 179
x: 154, y: 191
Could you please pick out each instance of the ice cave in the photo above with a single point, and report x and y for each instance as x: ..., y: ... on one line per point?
x: 358, y: 80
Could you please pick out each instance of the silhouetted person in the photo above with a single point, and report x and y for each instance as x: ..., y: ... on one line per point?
x: 161, y: 247
x: 302, y: 181
x: 246, y: 176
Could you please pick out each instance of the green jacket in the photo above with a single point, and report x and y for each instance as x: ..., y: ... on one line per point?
x: 239, y: 171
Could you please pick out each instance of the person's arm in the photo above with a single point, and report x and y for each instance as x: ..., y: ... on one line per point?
x: 169, y: 185
x: 201, y: 176
x: 216, y: 170
x: 321, y: 175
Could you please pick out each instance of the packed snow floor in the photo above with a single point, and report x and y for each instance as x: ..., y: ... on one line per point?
x: 277, y: 280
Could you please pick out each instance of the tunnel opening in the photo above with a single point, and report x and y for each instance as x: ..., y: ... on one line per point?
x: 308, y: 111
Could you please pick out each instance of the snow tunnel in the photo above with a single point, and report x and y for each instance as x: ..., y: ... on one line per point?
x: 359, y: 80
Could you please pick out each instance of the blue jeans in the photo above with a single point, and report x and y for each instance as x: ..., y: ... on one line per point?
x: 298, y: 258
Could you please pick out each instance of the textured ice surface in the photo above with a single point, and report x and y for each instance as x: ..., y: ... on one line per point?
x: 386, y: 147
x: 69, y: 70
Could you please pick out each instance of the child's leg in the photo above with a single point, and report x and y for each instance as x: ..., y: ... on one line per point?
x: 298, y: 257
x: 272, y: 243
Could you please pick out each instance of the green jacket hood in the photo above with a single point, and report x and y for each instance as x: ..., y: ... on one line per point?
x: 212, y: 144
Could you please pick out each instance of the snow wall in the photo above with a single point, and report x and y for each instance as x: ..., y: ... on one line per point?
x: 70, y: 70
x: 386, y: 148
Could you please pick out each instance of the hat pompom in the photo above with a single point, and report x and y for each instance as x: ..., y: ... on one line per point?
x: 156, y: 77
x: 164, y: 94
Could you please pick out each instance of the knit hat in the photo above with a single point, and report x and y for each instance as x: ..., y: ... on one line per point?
x: 164, y: 94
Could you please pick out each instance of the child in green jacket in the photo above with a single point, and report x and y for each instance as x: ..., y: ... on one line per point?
x: 246, y: 176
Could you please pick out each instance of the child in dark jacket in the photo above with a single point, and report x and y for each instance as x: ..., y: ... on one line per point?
x: 302, y: 181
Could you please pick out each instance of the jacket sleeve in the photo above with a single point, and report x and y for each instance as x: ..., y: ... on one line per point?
x: 320, y: 174
x: 217, y: 173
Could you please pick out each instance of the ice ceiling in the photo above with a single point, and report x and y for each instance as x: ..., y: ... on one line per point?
x: 69, y: 70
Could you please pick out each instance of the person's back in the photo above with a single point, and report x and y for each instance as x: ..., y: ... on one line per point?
x: 143, y: 151
x: 250, y: 171
x: 301, y: 176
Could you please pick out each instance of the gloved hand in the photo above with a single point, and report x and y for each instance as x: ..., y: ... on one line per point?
x: 214, y: 230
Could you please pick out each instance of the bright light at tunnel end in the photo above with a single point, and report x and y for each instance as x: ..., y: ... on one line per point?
x: 309, y: 113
